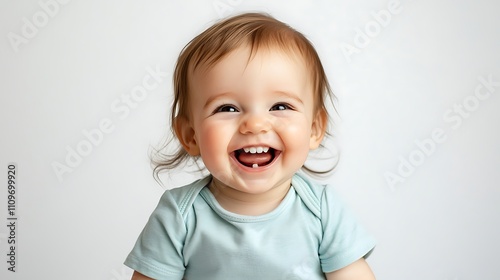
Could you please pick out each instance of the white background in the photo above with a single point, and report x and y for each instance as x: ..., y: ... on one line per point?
x: 442, y: 222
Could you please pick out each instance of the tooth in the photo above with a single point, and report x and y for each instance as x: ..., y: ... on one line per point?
x: 254, y: 150
x: 255, y: 165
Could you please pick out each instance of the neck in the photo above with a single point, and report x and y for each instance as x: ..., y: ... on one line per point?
x: 248, y: 204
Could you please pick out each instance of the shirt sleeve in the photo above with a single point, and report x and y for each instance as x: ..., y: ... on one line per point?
x: 344, y: 239
x: 158, y: 250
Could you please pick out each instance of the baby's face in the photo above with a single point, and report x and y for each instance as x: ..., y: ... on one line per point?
x: 253, y: 122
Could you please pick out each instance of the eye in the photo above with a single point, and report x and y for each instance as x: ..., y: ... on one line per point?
x: 226, y: 108
x: 280, y: 107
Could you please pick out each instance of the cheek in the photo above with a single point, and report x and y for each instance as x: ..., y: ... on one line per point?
x: 295, y: 134
x: 206, y: 138
x: 212, y: 141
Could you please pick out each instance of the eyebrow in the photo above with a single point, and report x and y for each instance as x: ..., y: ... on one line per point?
x: 211, y: 99
x: 289, y: 95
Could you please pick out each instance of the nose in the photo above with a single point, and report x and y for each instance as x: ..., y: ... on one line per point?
x: 254, y: 124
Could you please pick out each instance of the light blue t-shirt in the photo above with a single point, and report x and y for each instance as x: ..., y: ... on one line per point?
x: 189, y: 235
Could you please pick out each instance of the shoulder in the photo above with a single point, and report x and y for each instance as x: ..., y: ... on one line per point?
x: 311, y: 192
x: 158, y: 251
x: 321, y: 199
x: 343, y: 239
x: 182, y: 197
x: 300, y: 181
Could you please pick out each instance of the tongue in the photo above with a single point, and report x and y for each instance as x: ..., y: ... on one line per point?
x: 250, y: 159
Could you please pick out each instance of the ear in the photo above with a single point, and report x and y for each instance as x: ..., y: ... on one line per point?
x: 186, y: 135
x: 318, y: 129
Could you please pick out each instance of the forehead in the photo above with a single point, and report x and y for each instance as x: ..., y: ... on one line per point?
x: 245, y: 62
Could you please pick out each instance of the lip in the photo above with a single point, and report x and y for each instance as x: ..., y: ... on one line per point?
x: 277, y: 155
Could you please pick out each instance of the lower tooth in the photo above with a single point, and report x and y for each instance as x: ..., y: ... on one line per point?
x: 255, y: 165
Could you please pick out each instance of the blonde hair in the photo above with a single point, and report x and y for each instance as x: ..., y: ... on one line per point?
x: 255, y: 30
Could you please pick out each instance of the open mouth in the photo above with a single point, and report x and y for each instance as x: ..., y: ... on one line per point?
x: 255, y: 156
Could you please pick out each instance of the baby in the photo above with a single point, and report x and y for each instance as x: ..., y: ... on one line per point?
x: 250, y: 101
